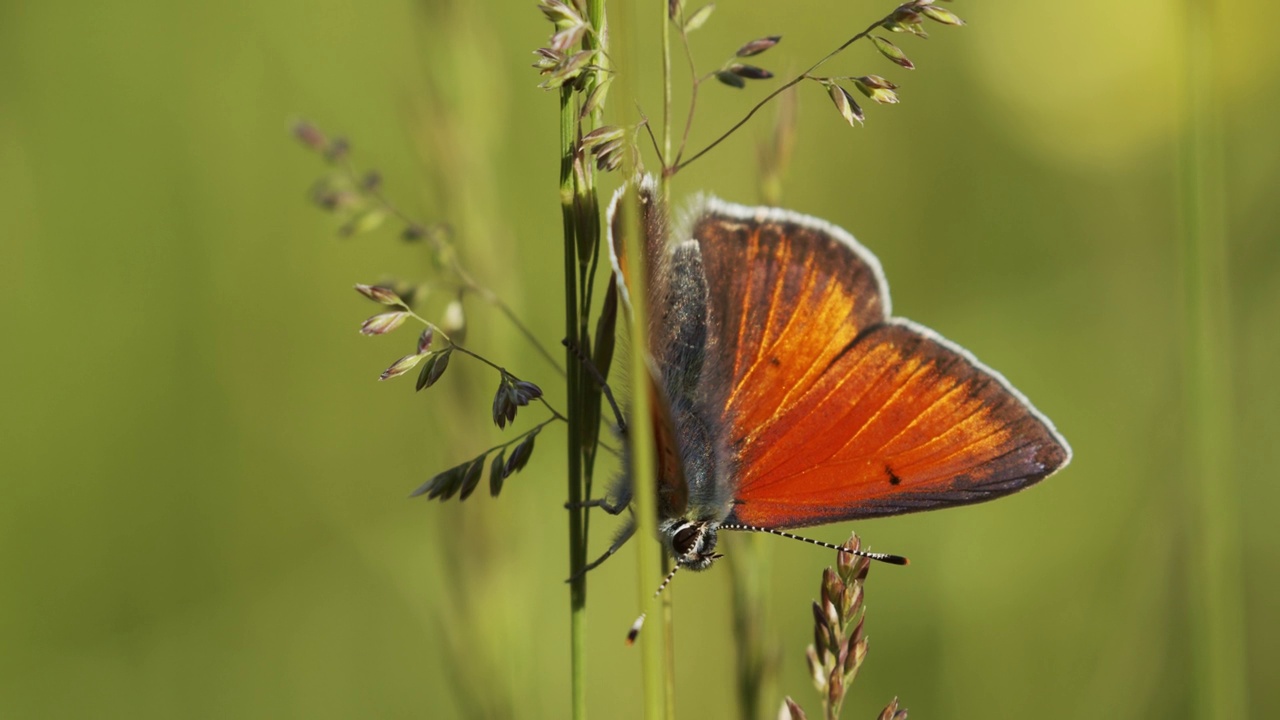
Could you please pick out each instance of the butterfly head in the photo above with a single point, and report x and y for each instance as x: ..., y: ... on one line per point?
x: 691, y: 542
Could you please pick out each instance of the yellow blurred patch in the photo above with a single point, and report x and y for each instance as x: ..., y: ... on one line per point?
x: 1085, y: 84
x: 1090, y: 85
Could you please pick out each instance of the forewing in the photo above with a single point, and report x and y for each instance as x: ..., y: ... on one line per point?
x: 832, y: 410
x: 787, y: 296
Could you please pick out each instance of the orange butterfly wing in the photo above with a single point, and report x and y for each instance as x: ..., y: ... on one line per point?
x: 831, y: 409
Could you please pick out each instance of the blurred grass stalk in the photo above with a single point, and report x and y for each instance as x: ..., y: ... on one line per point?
x: 756, y: 655
x: 667, y: 14
x: 658, y: 694
x: 1216, y: 599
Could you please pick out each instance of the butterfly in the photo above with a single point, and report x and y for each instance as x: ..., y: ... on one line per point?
x: 785, y: 393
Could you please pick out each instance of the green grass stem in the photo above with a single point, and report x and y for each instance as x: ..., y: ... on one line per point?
x: 573, y: 381
x: 1216, y: 594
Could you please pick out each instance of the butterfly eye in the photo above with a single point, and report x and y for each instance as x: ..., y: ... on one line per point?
x: 685, y: 538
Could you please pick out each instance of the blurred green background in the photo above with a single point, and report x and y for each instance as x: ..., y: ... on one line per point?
x: 204, y: 508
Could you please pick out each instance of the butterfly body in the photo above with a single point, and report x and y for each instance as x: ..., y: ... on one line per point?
x: 692, y: 492
x: 785, y: 394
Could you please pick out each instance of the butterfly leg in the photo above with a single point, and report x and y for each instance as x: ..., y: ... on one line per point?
x: 604, y: 503
x: 623, y: 536
x: 603, y: 384
x: 614, y: 501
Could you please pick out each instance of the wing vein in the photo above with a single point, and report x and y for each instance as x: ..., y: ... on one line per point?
x: 934, y: 459
x: 916, y: 420
x: 826, y: 461
x: 744, y: 311
x: 774, y: 305
x: 783, y: 408
x: 834, y: 389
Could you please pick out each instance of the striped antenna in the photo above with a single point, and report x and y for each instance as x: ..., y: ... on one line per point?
x: 634, y: 632
x: 882, y: 557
